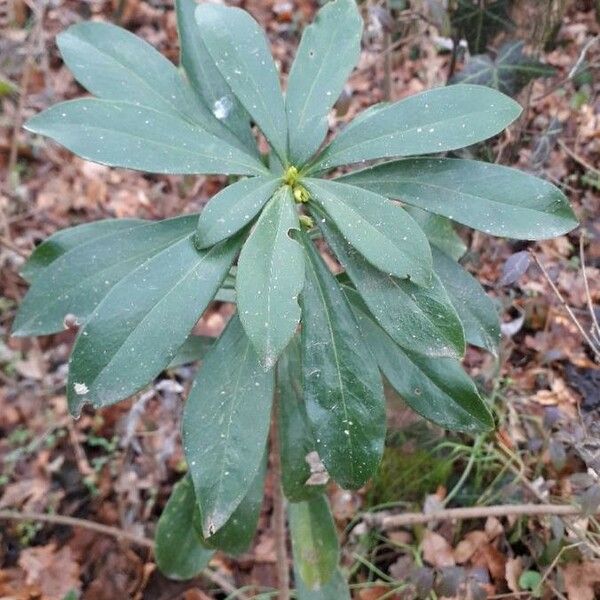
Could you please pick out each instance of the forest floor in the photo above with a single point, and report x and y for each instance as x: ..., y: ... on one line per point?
x: 117, y: 466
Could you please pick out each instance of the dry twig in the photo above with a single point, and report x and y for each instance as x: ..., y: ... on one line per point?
x: 387, y: 521
x: 115, y: 532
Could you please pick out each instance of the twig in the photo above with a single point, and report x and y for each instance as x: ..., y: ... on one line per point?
x: 576, y: 322
x: 23, y: 87
x: 278, y: 522
x: 595, y: 326
x: 115, y: 532
x: 387, y: 61
x: 578, y: 159
x: 387, y: 522
x: 11, y: 246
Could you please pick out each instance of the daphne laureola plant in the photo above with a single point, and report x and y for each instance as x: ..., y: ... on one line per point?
x: 403, y: 306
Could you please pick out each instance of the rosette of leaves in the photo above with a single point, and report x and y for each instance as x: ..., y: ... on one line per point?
x: 403, y: 306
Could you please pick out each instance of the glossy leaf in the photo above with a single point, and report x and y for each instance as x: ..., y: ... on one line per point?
x: 65, y: 240
x: 225, y: 425
x: 342, y: 387
x: 75, y: 282
x: 437, y: 120
x: 180, y: 552
x: 328, y: 52
x: 240, y: 51
x: 439, y: 231
x: 419, y: 318
x: 335, y: 589
x: 135, y: 332
x: 509, y: 72
x: 478, y: 313
x: 205, y: 78
x: 381, y: 230
x: 270, y: 277
x: 314, y: 541
x: 114, y: 64
x: 296, y: 438
x: 123, y: 134
x: 236, y: 535
x: 193, y: 349
x: 497, y: 200
x: 478, y: 22
x: 233, y: 208
x: 436, y: 388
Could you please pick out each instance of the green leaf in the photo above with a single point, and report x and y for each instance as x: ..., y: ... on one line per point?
x: 236, y: 535
x: 381, y: 230
x: 63, y: 241
x: 270, y: 277
x: 509, y: 72
x: 240, y: 51
x: 225, y: 425
x: 205, y: 78
x: 439, y: 231
x: 114, y: 64
x: 75, y: 282
x: 314, y: 541
x: 478, y: 313
x: 479, y: 21
x: 416, y: 317
x: 180, y: 553
x: 296, y: 438
x: 437, y: 120
x: 497, y: 200
x: 193, y: 349
x: 123, y: 134
x: 335, y: 589
x: 328, y: 52
x: 342, y: 387
x: 136, y: 330
x: 233, y: 208
x: 436, y: 388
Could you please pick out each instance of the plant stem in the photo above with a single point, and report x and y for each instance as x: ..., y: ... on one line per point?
x: 278, y: 521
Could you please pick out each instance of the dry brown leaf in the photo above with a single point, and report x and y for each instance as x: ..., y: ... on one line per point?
x: 54, y: 571
x: 580, y: 580
x: 27, y: 492
x: 512, y: 572
x: 469, y: 545
x: 373, y: 593
x: 437, y: 551
x: 494, y: 560
x: 493, y: 528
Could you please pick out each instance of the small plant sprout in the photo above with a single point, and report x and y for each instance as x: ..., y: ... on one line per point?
x: 319, y: 342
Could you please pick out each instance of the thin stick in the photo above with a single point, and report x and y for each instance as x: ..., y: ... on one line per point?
x: 278, y: 522
x: 387, y: 61
x: 387, y: 522
x: 578, y: 159
x: 23, y: 86
x: 596, y: 326
x: 582, y: 331
x: 115, y: 532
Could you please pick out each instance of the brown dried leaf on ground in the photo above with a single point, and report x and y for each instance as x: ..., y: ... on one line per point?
x: 55, y: 572
x: 437, y: 551
x: 582, y: 580
x: 512, y: 572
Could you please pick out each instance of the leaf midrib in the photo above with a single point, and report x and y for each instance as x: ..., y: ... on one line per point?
x: 422, y: 183
x: 336, y: 357
x: 333, y: 151
x: 171, y: 290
